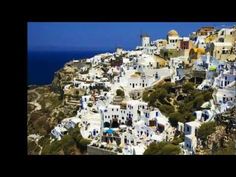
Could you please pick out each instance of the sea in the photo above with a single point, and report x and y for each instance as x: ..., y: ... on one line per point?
x: 43, y: 64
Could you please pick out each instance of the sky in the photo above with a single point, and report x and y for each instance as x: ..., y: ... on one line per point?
x: 103, y: 35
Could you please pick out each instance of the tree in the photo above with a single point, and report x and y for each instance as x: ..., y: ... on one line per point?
x: 83, y: 145
x: 76, y: 135
x: 120, y: 92
x: 152, y: 98
x: 198, y: 101
x: 145, y: 96
x: 205, y: 130
x: 162, y: 148
x: 208, y: 95
x: 67, y: 143
x: 176, y: 117
x: 90, y: 104
x: 185, y: 107
x: 188, y: 87
x: 169, y: 87
x: 178, y: 139
x: 161, y: 93
x: 61, y: 115
x: 166, y: 109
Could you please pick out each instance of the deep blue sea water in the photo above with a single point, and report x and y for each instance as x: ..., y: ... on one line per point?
x: 43, y: 64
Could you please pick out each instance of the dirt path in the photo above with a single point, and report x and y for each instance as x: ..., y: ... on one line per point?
x: 35, y: 103
x: 35, y: 138
x: 172, y: 104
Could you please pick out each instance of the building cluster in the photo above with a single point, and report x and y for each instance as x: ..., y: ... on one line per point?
x: 124, y: 123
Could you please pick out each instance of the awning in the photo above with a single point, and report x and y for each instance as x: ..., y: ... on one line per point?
x: 109, y: 131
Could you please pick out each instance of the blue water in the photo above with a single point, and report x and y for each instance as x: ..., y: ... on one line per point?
x: 43, y: 64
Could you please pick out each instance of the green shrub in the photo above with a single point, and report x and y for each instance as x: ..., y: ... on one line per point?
x: 90, y: 104
x: 205, y: 130
x: 83, y: 144
x: 162, y: 148
x: 188, y: 87
x: 167, y: 109
x: 120, y: 92
x: 175, y: 117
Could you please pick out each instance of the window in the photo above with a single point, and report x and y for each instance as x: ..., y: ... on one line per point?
x: 117, y: 109
x: 188, y: 129
x: 112, y: 109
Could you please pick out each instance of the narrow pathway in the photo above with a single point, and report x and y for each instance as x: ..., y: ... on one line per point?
x: 34, y: 102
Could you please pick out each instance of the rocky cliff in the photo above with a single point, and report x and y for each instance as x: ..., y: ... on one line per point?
x: 47, y: 106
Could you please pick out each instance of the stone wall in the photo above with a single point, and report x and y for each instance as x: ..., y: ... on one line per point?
x: 98, y: 151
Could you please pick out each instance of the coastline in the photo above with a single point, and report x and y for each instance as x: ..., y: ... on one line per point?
x: 42, y: 65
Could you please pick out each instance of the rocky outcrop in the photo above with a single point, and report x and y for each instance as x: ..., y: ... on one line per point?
x: 46, y: 104
x: 219, y: 142
x: 63, y: 76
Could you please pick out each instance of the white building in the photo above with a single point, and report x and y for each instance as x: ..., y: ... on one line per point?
x: 204, y: 115
x: 132, y: 108
x: 85, y: 100
x: 190, y: 140
x: 172, y: 40
x: 140, y: 81
x: 200, y: 42
x: 225, y: 95
x: 225, y: 85
x: 58, y: 131
x: 177, y: 68
x: 226, y: 77
x: 226, y: 35
x: 119, y: 50
x: 111, y: 112
x: 145, y: 40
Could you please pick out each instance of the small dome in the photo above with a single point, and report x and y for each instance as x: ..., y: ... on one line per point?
x: 173, y: 33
